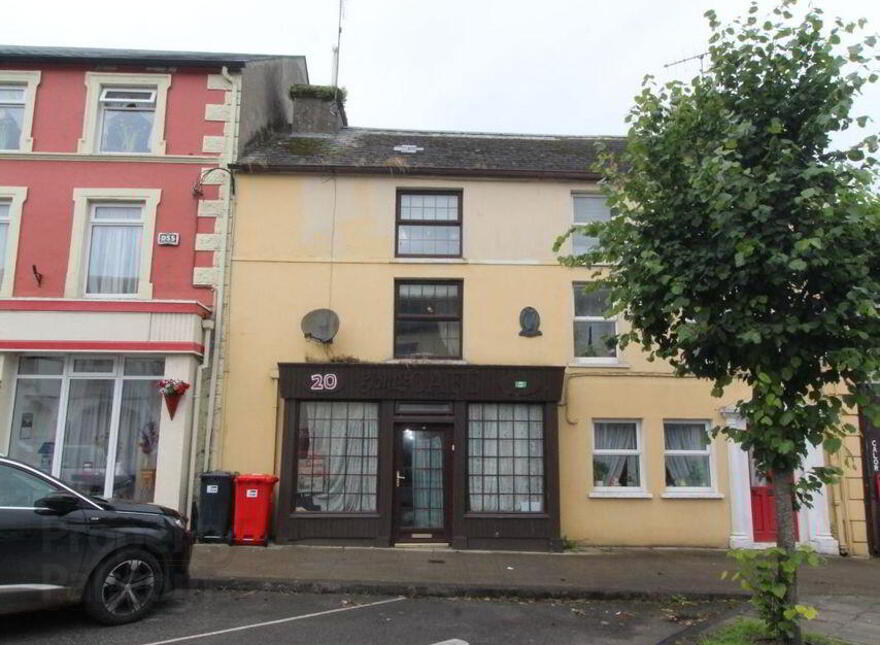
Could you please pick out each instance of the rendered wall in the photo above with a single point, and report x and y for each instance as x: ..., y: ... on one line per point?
x: 305, y: 242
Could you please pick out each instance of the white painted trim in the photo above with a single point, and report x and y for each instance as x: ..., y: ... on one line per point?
x: 31, y: 80
x: 19, y: 155
x: 17, y: 196
x: 813, y: 523
x: 693, y: 492
x: 96, y: 81
x: 640, y: 492
x: 74, y: 284
x: 606, y: 493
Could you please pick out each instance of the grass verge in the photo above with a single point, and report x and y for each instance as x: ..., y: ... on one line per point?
x: 748, y: 631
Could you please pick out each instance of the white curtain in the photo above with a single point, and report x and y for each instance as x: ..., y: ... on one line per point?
x: 686, y: 470
x: 4, y: 231
x: 86, y: 434
x: 114, y: 259
x: 337, y: 457
x: 427, y: 479
x: 138, y: 446
x: 615, y: 470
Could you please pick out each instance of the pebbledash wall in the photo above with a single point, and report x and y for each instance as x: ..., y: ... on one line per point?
x: 79, y: 359
x: 311, y: 240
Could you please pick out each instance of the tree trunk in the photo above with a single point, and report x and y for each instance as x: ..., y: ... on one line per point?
x: 783, y: 494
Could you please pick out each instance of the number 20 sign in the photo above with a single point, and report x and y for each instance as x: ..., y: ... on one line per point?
x: 323, y: 382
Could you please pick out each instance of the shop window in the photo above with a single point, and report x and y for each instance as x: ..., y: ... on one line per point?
x: 592, y: 326
x: 687, y: 455
x: 617, y: 455
x: 429, y: 224
x: 587, y: 210
x: 104, y: 439
x: 337, y: 457
x: 427, y: 319
x: 505, y: 458
x: 115, y: 232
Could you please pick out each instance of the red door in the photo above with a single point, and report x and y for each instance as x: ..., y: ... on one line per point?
x: 764, y: 508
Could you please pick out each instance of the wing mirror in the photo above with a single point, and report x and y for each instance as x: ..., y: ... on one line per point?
x: 58, y: 503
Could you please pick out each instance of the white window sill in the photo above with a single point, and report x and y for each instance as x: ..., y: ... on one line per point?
x: 437, y: 260
x: 599, y: 362
x: 605, y: 493
x: 691, y: 494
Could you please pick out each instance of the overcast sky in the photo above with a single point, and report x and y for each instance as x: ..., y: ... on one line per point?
x: 535, y: 66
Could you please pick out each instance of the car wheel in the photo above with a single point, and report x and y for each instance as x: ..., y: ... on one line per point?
x: 124, y: 588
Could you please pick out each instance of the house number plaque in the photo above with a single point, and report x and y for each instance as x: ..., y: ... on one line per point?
x: 323, y: 382
x: 168, y: 239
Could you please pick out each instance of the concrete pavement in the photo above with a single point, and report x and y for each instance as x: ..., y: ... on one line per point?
x: 595, y: 573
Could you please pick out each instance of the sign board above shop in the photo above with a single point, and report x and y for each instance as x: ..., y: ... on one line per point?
x: 357, y: 381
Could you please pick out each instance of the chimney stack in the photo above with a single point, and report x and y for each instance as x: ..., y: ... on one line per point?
x: 318, y: 109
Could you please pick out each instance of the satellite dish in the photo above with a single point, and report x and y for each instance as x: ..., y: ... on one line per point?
x: 320, y: 325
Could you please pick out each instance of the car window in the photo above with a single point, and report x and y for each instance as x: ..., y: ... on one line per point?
x: 22, y: 489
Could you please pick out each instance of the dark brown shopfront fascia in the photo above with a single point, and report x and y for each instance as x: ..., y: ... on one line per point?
x: 378, y: 454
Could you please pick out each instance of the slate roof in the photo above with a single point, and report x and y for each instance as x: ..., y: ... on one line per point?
x: 417, y: 152
x: 21, y: 53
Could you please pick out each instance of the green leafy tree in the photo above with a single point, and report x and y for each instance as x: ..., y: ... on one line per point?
x: 745, y: 248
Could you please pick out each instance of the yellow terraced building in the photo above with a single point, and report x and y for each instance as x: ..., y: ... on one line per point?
x: 459, y: 391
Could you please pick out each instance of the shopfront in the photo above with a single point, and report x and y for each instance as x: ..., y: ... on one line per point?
x: 383, y: 454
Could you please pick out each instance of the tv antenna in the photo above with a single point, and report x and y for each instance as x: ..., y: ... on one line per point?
x: 335, y: 73
x: 685, y: 60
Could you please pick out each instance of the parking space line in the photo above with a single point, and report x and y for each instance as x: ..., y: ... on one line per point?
x: 279, y: 621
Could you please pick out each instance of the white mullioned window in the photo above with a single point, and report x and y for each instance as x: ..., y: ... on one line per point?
x: 688, y: 455
x: 93, y: 420
x: 12, y: 200
x: 587, y: 210
x: 592, y: 326
x: 618, y: 468
x: 5, y: 219
x: 126, y: 119
x: 115, y: 242
x: 13, y: 101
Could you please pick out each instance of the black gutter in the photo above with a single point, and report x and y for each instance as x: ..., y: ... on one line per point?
x: 396, y: 170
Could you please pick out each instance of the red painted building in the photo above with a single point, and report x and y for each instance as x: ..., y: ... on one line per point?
x: 115, y: 208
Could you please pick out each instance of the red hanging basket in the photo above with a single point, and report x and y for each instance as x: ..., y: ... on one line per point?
x: 171, y: 402
x: 172, y: 389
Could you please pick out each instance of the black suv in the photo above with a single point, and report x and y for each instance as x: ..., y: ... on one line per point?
x: 58, y: 546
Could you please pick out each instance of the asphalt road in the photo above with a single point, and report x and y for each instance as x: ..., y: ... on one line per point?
x: 211, y: 617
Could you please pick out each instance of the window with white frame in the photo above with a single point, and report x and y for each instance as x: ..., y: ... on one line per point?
x: 688, y: 455
x: 125, y: 113
x: 617, y: 454
x: 592, y: 326
x: 126, y: 119
x: 91, y: 420
x: 12, y: 199
x: 114, y: 257
x: 5, y: 219
x: 18, y: 97
x: 587, y: 210
x: 13, y: 100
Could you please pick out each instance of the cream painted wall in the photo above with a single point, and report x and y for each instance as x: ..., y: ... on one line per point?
x: 285, y: 239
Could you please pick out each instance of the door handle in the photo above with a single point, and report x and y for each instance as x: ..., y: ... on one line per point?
x: 398, y: 477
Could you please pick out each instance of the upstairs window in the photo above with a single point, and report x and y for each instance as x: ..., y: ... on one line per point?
x: 427, y: 319
x: 587, y: 210
x: 429, y: 224
x: 13, y: 99
x: 126, y: 119
x: 592, y: 325
x: 115, y: 232
x: 5, y: 219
